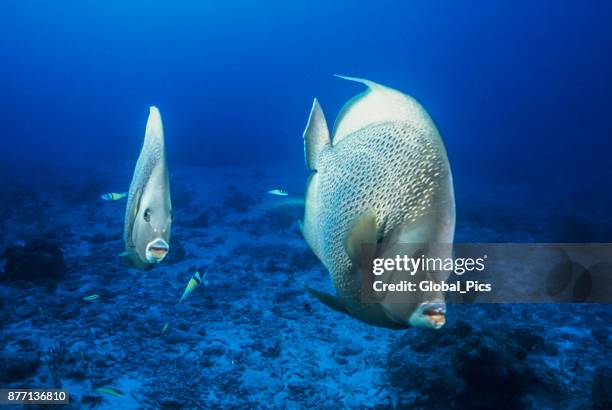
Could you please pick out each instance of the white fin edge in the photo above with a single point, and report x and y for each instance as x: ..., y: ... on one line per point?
x: 155, y: 128
x: 377, y: 104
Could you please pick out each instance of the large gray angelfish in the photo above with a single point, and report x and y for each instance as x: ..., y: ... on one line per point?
x: 382, y: 178
x: 148, y: 215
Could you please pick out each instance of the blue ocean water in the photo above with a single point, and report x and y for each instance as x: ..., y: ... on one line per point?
x: 518, y: 90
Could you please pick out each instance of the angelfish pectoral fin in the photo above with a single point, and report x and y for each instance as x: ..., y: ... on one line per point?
x: 132, y: 217
x: 361, y: 246
x: 361, y: 242
x: 328, y: 300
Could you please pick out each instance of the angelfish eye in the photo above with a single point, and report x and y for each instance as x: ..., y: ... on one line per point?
x: 147, y: 215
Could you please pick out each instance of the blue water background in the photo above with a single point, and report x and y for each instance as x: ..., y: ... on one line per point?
x: 519, y: 90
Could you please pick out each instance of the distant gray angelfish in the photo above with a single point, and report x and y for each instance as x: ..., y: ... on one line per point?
x: 148, y: 215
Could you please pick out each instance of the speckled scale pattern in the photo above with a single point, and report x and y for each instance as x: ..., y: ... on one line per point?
x: 393, y: 169
x: 150, y: 155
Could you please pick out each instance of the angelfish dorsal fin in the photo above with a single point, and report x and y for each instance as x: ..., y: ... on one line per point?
x: 316, y: 135
x: 377, y: 104
x: 154, y: 129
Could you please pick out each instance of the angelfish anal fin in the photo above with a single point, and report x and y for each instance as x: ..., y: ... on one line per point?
x: 361, y: 241
x: 328, y: 300
x: 316, y: 136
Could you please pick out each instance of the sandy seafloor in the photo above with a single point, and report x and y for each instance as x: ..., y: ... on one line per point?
x: 252, y: 338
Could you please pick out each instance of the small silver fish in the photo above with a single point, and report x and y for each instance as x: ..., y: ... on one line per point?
x: 278, y: 192
x: 111, y: 391
x: 197, y: 278
x: 91, y: 297
x: 113, y: 196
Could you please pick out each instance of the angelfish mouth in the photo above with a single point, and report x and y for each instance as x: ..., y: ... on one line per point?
x: 435, y: 314
x: 157, y: 250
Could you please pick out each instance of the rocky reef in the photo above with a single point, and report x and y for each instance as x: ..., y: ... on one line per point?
x: 38, y: 260
x: 252, y: 338
x: 492, y: 362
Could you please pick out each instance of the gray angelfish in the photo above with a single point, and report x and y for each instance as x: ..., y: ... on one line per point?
x: 148, y: 215
x: 381, y: 178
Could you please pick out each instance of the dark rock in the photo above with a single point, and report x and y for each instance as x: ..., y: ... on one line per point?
x: 566, y: 225
x: 176, y: 337
x: 91, y: 400
x: 435, y: 380
x: 601, y: 335
x: 276, y: 219
x: 271, y: 349
x: 602, y: 394
x: 480, y: 368
x: 201, y: 221
x: 18, y: 366
x: 527, y: 339
x: 171, y: 403
x: 77, y: 373
x: 287, y: 312
x: 282, y: 217
x: 69, y: 311
x: 221, y: 259
x: 38, y: 260
x: 177, y: 252
x: 26, y: 344
x: 284, y: 296
x: 181, y: 195
x: 82, y: 189
x: 341, y: 360
x: 56, y: 359
x: 299, y: 388
x: 25, y: 311
x: 272, y: 266
x: 304, y: 260
x: 219, y: 240
x: 200, y: 217
x: 215, y: 349
x: 347, y: 350
x: 100, y: 238
x: 492, y: 377
x: 237, y: 201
